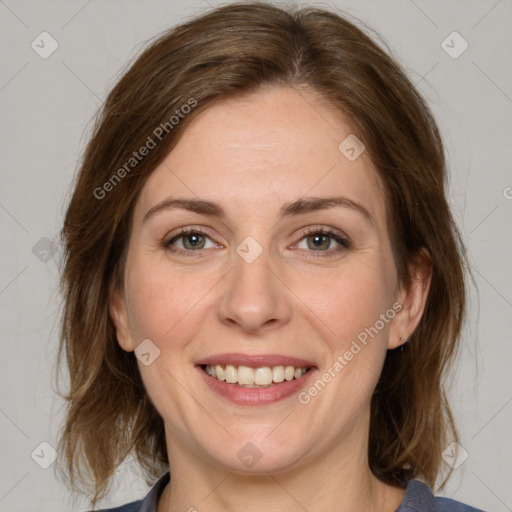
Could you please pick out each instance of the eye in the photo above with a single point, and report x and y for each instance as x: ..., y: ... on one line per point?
x: 320, y: 240
x: 190, y: 240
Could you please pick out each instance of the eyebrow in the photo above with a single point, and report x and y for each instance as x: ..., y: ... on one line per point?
x: 301, y: 206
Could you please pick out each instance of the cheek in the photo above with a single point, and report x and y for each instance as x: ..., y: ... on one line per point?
x: 161, y: 298
x: 358, y: 311
x: 350, y: 299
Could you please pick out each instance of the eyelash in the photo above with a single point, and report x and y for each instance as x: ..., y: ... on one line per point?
x: 342, y: 241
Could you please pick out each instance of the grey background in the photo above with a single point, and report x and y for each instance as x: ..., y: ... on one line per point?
x: 46, y: 108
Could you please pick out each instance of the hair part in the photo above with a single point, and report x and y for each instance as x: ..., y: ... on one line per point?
x: 231, y: 51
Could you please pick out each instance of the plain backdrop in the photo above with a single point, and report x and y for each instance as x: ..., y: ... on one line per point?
x: 46, y: 108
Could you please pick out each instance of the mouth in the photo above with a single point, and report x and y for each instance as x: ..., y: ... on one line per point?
x: 255, y: 380
x: 260, y: 377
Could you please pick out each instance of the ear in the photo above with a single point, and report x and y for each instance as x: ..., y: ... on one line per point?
x: 119, y: 315
x: 413, y: 300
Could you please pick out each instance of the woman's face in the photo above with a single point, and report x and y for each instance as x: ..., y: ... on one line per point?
x: 269, y: 277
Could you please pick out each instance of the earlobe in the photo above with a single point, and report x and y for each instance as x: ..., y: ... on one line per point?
x: 413, y: 301
x: 119, y: 317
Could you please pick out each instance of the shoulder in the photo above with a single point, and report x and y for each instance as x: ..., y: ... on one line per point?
x: 134, y: 506
x: 149, y: 503
x: 449, y: 505
x: 419, y: 498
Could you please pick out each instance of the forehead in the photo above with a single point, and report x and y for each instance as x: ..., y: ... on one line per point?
x: 267, y: 148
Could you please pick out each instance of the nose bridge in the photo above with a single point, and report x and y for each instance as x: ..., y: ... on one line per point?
x: 253, y: 298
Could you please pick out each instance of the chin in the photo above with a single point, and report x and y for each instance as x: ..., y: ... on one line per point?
x: 254, y: 453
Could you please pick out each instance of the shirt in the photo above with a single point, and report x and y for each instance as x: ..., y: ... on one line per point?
x: 418, y: 498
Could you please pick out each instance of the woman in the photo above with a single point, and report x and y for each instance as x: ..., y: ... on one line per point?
x: 263, y: 281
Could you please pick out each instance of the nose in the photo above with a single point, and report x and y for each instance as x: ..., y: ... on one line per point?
x: 254, y: 298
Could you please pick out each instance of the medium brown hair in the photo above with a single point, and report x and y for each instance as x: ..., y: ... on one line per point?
x: 234, y: 50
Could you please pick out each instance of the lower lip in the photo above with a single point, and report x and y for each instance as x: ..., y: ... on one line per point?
x: 256, y: 396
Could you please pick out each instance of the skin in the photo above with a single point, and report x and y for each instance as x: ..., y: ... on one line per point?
x: 252, y: 155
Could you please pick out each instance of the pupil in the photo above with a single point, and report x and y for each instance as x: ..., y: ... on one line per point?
x: 194, y: 240
x: 319, y: 240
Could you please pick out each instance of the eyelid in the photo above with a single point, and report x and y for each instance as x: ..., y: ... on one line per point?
x: 313, y: 230
x: 186, y: 230
x: 338, y: 236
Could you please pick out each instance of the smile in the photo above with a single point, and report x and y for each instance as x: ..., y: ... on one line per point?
x: 254, y: 377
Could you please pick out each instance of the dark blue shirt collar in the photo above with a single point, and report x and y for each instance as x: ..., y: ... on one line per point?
x: 418, y: 498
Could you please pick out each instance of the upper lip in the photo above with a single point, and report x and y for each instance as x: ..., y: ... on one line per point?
x: 255, y: 360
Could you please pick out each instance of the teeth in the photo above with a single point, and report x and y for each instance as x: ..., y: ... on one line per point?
x: 221, y: 374
x: 212, y: 371
x: 263, y: 376
x: 278, y: 373
x: 231, y: 374
x: 254, y: 377
x: 245, y: 375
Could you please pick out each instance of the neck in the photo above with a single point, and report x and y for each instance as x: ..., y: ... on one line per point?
x: 337, y: 480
